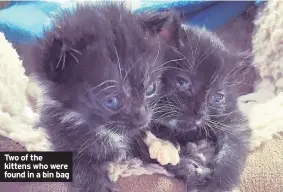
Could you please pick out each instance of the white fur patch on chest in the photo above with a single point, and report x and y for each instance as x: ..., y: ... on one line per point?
x: 173, y: 123
x: 114, y: 140
x: 117, y: 139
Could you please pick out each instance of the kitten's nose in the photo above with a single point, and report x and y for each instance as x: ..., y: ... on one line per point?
x: 199, y: 114
x: 195, y: 112
x: 141, y: 119
x: 198, y: 122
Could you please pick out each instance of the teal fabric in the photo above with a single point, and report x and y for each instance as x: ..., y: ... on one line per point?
x: 23, y: 21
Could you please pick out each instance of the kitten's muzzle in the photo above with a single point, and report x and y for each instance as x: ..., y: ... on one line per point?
x: 187, y: 125
x: 141, y: 119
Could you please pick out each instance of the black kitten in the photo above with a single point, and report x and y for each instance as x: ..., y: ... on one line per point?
x: 198, y: 100
x: 98, y: 65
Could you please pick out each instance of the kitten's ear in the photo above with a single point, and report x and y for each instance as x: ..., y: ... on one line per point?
x: 44, y: 55
x: 52, y: 57
x: 55, y: 59
x: 167, y: 24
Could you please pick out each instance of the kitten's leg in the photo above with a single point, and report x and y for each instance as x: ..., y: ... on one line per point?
x: 163, y: 151
x: 192, y: 168
x: 203, y: 149
x: 190, y: 171
x: 91, y: 176
x: 115, y: 170
x: 163, y: 148
x: 227, y: 165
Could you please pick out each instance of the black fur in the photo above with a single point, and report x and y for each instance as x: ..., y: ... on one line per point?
x: 198, y: 100
x: 99, y: 69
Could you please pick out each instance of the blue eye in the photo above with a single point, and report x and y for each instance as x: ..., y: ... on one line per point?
x: 218, y: 98
x: 150, y: 90
x: 112, y: 103
x: 183, y: 83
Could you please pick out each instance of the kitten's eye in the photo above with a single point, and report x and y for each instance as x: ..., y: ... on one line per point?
x: 183, y: 83
x: 218, y: 98
x: 112, y: 103
x: 150, y: 89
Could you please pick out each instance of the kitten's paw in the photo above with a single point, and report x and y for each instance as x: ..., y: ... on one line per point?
x: 115, y: 170
x: 164, y: 152
x: 203, y: 150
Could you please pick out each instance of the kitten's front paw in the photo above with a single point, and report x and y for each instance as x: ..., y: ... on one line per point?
x: 115, y: 170
x: 203, y: 150
x: 164, y: 152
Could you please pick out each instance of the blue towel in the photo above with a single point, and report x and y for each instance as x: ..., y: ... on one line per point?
x: 23, y: 21
x: 208, y: 14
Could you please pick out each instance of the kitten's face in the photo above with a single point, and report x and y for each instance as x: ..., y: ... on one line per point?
x: 117, y: 94
x: 109, y: 73
x: 198, y: 87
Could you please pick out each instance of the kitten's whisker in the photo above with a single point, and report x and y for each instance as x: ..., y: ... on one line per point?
x: 107, y: 127
x: 181, y: 104
x: 161, y: 67
x: 196, y: 49
x: 132, y: 67
x: 103, y: 83
x: 168, y: 115
x: 169, y: 61
x: 205, y: 130
x: 74, y: 57
x: 182, y: 65
x: 164, y: 115
x: 158, y: 50
x: 85, y: 147
x: 211, y: 128
x: 166, y: 107
x: 227, y: 84
x: 154, y: 104
x: 215, y: 124
x: 58, y: 64
x: 64, y: 62
x: 214, y: 78
x: 204, y: 56
x: 219, y: 128
x: 190, y: 66
x: 82, y: 147
x: 191, y: 47
x: 105, y: 140
x: 108, y: 87
x: 162, y: 110
x: 76, y: 51
x: 166, y: 118
x: 230, y: 74
x: 224, y: 114
x: 223, y: 127
x: 118, y: 60
x: 174, y: 106
x: 170, y: 67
